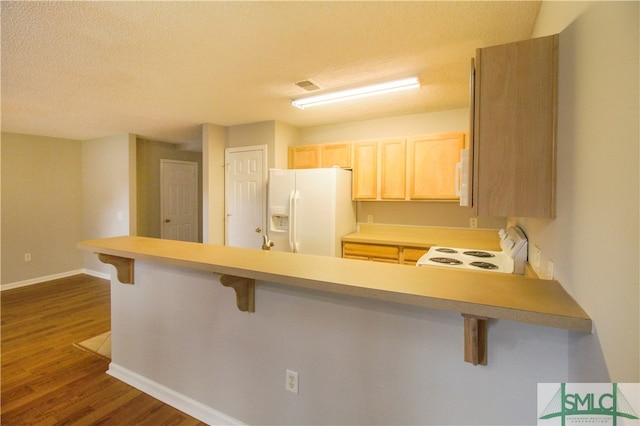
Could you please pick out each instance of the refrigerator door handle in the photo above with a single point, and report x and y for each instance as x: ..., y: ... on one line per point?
x: 291, y: 221
x: 294, y: 214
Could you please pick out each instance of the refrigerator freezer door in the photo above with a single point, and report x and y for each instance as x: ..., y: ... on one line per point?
x: 281, y: 186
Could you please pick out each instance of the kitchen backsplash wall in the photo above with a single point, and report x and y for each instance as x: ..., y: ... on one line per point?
x: 421, y: 213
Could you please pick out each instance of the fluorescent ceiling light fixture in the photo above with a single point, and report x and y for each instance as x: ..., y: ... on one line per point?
x: 376, y: 89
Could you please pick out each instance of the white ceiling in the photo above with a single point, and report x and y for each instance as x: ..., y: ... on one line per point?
x: 83, y: 70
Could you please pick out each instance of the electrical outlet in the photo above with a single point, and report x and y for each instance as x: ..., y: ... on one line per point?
x: 550, y: 269
x: 473, y: 222
x: 536, y: 258
x: 292, y: 381
x: 370, y: 218
x: 27, y: 257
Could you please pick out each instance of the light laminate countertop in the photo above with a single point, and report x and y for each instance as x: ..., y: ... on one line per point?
x: 484, y: 294
x: 425, y: 237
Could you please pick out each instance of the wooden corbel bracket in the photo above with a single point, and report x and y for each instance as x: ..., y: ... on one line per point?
x: 245, y: 291
x: 475, y: 339
x: 124, y: 266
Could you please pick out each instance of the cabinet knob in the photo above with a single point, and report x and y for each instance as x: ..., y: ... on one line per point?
x: 167, y: 220
x: 258, y: 230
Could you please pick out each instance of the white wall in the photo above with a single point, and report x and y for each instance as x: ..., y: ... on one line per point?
x: 108, y: 191
x: 594, y: 241
x: 359, y: 361
x: 42, y: 206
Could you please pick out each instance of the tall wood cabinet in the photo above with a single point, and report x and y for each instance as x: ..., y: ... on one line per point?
x: 514, y: 128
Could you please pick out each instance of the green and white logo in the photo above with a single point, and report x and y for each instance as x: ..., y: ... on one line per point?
x: 614, y: 404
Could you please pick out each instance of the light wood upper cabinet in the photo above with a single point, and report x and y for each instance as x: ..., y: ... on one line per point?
x: 335, y: 154
x: 393, y: 173
x: 323, y: 155
x: 304, y: 157
x: 514, y: 141
x: 432, y: 166
x: 365, y: 170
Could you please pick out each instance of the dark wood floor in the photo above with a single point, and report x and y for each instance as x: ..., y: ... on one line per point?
x: 47, y: 381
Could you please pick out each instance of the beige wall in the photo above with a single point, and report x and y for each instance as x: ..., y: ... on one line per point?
x: 276, y: 135
x: 41, y: 206
x: 108, y: 191
x: 213, y: 142
x: 594, y: 241
x: 148, y: 156
x: 389, y: 127
x: 286, y: 136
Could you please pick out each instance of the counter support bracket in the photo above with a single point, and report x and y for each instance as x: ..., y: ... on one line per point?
x: 245, y: 291
x: 475, y: 339
x: 124, y: 266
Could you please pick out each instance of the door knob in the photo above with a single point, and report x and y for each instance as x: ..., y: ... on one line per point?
x: 258, y: 230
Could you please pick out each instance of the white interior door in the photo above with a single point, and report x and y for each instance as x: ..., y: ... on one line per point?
x: 245, y: 196
x: 179, y: 200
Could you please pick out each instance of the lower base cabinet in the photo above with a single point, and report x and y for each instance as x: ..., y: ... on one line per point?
x: 387, y: 253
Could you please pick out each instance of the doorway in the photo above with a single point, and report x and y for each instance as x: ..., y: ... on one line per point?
x: 179, y: 200
x: 245, y: 196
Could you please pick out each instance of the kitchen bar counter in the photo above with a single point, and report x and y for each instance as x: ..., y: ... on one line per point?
x: 481, y: 239
x: 476, y: 295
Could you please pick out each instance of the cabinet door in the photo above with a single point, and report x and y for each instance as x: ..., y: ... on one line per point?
x: 432, y: 166
x: 365, y: 170
x: 335, y: 154
x: 411, y: 255
x: 304, y: 157
x: 515, y: 116
x: 393, y: 169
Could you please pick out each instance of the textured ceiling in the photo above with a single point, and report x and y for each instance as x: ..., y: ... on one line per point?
x: 84, y: 70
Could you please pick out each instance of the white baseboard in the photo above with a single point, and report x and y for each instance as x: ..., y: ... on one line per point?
x: 170, y: 397
x: 97, y: 274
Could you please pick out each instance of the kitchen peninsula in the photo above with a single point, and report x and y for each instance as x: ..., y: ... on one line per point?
x: 474, y: 295
x: 178, y: 333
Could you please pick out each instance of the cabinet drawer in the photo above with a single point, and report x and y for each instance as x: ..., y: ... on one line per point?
x: 351, y: 256
x: 371, y: 250
x: 376, y: 259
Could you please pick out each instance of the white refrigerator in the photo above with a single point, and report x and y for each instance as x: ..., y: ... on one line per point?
x: 310, y: 210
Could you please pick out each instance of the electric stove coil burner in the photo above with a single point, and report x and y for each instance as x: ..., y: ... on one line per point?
x: 446, y: 250
x: 511, y: 260
x: 446, y: 260
x: 476, y: 253
x: 484, y: 265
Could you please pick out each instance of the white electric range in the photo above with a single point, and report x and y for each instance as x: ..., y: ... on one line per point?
x: 511, y: 260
